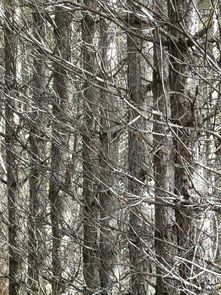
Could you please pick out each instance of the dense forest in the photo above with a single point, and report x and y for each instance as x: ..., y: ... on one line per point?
x: 110, y: 147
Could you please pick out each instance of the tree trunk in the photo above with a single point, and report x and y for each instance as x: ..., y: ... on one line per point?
x: 91, y: 151
x: 193, y: 224
x: 140, y: 142
x: 164, y: 170
x: 11, y: 93
x: 37, y: 212
x: 60, y: 145
x: 109, y: 153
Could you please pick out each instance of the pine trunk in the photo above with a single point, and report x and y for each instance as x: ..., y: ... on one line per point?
x: 164, y: 170
x: 193, y: 223
x: 109, y: 153
x: 37, y: 212
x: 11, y: 94
x: 60, y: 146
x: 91, y: 152
x: 140, y: 160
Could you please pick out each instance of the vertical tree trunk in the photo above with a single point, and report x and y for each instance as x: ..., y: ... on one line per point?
x: 91, y: 151
x: 60, y: 144
x: 140, y: 159
x: 183, y: 115
x: 37, y: 213
x: 10, y: 51
x: 164, y: 170
x: 190, y: 178
x: 109, y: 203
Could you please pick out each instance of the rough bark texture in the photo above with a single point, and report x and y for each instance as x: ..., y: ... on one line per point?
x: 91, y: 152
x: 183, y: 116
x: 193, y: 225
x: 109, y: 203
x: 140, y: 162
x: 37, y: 213
x: 10, y: 51
x: 60, y: 144
x: 165, y: 233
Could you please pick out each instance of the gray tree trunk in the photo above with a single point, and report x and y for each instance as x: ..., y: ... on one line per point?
x: 11, y: 93
x: 91, y: 153
x: 164, y: 171
x: 60, y: 144
x: 37, y: 182
x: 140, y: 143
x: 109, y: 153
x: 193, y: 225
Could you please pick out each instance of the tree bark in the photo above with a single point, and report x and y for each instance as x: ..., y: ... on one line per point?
x: 37, y: 182
x: 11, y: 93
x: 91, y: 152
x: 164, y: 170
x: 193, y: 225
x: 60, y: 145
x: 140, y: 160
x: 109, y: 154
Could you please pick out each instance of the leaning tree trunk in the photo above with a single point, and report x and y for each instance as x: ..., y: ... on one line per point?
x: 37, y: 182
x: 109, y: 154
x: 164, y: 170
x: 11, y: 94
x: 140, y: 159
x: 91, y: 151
x: 60, y: 144
x: 193, y: 223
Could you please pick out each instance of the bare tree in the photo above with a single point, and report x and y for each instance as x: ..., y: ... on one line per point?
x: 60, y: 156
x: 164, y: 170
x: 140, y: 159
x: 127, y: 160
x: 38, y: 190
x: 11, y: 131
x: 109, y: 159
x: 190, y: 177
x: 91, y: 151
